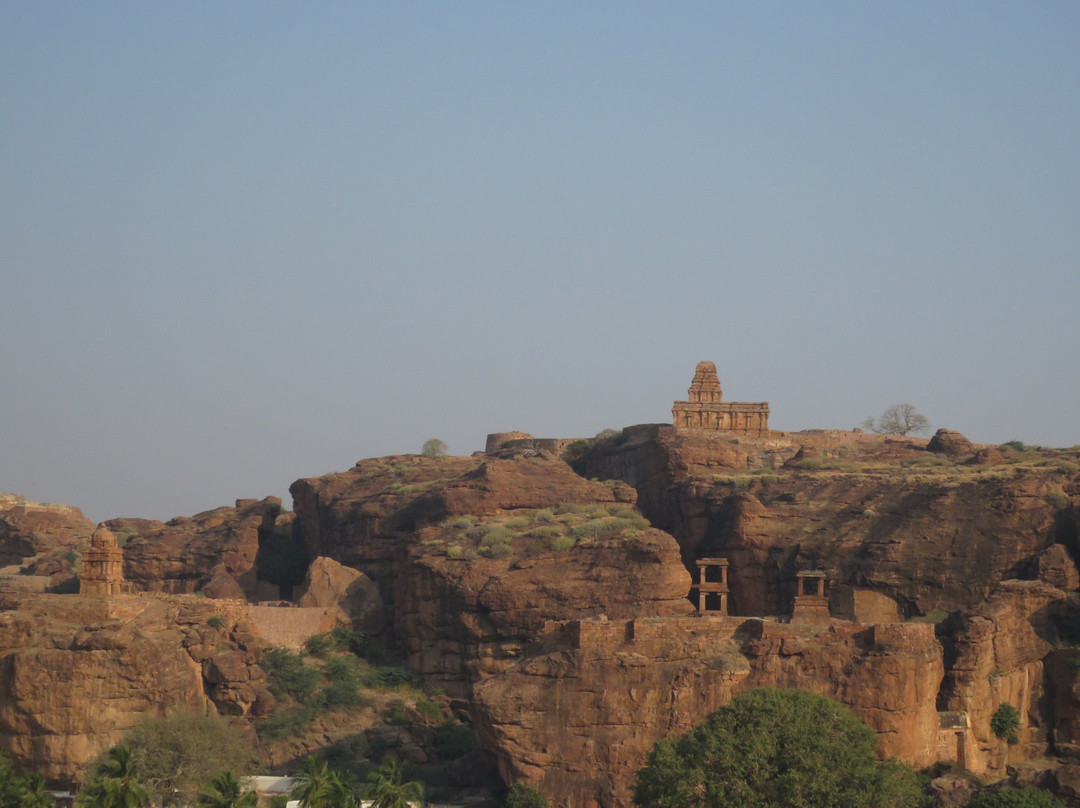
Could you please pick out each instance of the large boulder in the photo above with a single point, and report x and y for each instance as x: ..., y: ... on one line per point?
x: 949, y: 442
x: 353, y: 595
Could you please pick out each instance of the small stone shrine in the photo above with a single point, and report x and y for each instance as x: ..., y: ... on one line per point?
x: 712, y: 586
x: 102, y: 572
x: 811, y: 598
x: 705, y: 410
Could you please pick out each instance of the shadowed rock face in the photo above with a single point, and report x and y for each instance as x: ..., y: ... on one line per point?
x: 187, y: 554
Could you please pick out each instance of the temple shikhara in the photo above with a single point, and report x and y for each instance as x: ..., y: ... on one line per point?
x: 103, y: 566
x: 705, y: 410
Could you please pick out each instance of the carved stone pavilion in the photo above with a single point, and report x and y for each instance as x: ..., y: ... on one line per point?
x: 102, y: 572
x: 705, y: 410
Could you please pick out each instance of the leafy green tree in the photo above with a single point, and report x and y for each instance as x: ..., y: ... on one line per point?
x: 1005, y: 722
x: 225, y: 791
x: 899, y: 419
x: 434, y: 448
x: 175, y: 755
x: 522, y: 795
x: 1014, y: 798
x: 775, y: 749
x: 386, y: 789
x: 113, y: 783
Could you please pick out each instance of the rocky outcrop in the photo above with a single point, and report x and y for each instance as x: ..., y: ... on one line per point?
x: 76, y: 673
x: 215, y: 549
x: 872, y: 512
x: 950, y: 442
x: 462, y: 619
x: 998, y: 652
x: 365, y: 518
x: 352, y: 596
x: 30, y: 529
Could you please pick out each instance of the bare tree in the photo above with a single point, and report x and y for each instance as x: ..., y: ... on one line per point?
x: 434, y: 448
x: 899, y: 419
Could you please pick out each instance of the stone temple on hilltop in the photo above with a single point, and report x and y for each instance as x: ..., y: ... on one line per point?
x: 705, y: 410
x: 102, y: 573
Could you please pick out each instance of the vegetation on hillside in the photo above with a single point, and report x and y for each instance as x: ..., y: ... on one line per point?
x: 172, y: 757
x: 775, y: 749
x: 531, y: 531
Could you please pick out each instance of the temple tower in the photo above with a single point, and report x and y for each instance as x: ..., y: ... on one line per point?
x: 705, y: 410
x: 102, y: 572
x: 705, y: 386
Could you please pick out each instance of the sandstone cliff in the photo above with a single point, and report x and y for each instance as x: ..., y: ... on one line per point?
x: 214, y: 551
x: 463, y: 605
x: 579, y: 719
x: 929, y: 531
x: 76, y: 673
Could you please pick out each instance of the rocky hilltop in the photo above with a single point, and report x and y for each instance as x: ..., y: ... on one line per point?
x: 922, y: 583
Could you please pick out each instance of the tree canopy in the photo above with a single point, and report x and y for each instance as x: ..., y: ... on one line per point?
x: 776, y: 749
x: 27, y: 791
x: 522, y: 795
x: 434, y: 448
x: 174, y: 756
x: 387, y: 789
x: 225, y: 791
x: 113, y: 783
x: 899, y: 419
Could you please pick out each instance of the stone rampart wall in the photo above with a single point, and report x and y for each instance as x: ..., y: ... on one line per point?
x: 862, y: 605
x: 599, y: 635
x: 233, y: 610
x: 25, y: 583
x: 289, y: 627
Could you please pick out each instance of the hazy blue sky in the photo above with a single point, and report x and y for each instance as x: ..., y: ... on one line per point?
x: 246, y: 242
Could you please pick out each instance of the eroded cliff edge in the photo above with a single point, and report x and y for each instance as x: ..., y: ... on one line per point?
x: 559, y: 612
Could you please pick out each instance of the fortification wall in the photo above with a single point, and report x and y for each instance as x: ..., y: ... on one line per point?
x: 289, y: 627
x: 24, y: 583
x: 694, y: 633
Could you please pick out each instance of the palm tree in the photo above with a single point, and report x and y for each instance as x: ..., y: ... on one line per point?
x: 387, y: 790
x: 114, y: 784
x: 319, y: 786
x: 33, y: 793
x: 225, y: 791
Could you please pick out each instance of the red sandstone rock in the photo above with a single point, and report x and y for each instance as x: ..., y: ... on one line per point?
x: 353, y: 596
x: 78, y: 672
x: 1067, y: 779
x: 579, y: 720
x: 1055, y: 567
x: 187, y: 553
x: 936, y: 541
x: 32, y: 528
x: 999, y: 649
x: 949, y: 442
